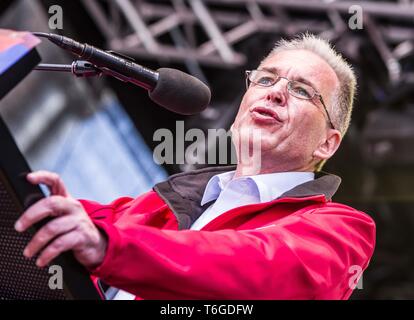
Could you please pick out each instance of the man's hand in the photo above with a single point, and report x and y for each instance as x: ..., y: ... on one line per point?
x: 71, y: 229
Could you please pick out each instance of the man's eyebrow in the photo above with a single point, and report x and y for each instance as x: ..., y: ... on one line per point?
x: 271, y: 69
x: 296, y: 78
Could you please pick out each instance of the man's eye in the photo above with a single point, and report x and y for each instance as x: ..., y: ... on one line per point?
x: 265, y: 81
x: 302, y: 91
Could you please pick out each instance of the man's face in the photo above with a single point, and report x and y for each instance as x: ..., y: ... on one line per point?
x: 291, y: 128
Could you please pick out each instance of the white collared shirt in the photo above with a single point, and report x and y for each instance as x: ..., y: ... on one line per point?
x: 230, y: 193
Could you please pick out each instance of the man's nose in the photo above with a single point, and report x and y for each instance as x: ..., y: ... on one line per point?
x: 277, y: 93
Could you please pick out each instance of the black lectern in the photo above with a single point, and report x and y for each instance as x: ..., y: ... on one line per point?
x: 20, y: 278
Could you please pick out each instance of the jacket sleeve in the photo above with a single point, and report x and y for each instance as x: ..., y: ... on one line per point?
x: 146, y: 209
x: 298, y: 257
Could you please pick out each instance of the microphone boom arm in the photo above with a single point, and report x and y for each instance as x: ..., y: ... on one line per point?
x: 79, y: 68
x: 114, y: 64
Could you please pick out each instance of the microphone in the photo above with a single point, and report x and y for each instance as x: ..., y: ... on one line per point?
x: 172, y: 89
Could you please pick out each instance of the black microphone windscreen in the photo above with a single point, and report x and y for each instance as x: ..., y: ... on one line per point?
x: 180, y: 92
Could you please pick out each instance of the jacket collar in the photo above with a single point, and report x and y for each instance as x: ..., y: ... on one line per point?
x: 183, y: 192
x: 324, y: 183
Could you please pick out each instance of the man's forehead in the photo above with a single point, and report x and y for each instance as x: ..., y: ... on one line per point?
x: 301, y: 64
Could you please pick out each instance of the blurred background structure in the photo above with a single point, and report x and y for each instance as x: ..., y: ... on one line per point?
x: 99, y: 133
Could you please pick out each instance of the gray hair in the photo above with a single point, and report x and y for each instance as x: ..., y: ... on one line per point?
x: 344, y: 96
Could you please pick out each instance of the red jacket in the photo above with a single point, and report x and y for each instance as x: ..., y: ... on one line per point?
x: 298, y: 246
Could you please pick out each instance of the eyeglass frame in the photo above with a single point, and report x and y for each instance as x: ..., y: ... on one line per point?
x: 316, y: 93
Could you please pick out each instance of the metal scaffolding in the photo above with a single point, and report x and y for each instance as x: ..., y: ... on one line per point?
x: 139, y: 27
x: 208, y: 33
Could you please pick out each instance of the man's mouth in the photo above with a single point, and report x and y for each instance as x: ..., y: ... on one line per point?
x: 264, y: 115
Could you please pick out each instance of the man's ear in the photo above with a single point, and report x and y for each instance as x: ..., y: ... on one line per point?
x: 329, y: 146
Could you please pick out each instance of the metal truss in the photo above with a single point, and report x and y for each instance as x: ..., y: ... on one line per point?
x: 139, y: 27
x: 208, y: 33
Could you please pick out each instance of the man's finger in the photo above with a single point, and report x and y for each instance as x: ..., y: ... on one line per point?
x: 48, y: 232
x: 49, y: 207
x: 52, y: 180
x: 64, y: 243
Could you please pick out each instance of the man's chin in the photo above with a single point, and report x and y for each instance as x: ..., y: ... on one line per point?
x: 260, y: 127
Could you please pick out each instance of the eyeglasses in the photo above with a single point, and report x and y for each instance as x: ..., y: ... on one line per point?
x: 297, y: 89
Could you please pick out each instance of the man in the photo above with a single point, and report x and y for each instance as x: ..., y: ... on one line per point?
x: 267, y: 232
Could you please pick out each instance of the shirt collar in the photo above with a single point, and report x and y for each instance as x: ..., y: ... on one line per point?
x: 270, y: 186
x: 273, y: 185
x: 215, y: 185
